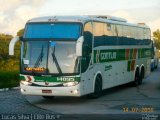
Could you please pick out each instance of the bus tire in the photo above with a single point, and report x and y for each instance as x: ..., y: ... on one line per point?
x: 152, y: 69
x: 136, y: 79
x: 156, y: 67
x: 48, y: 97
x: 97, y: 88
x: 141, y: 76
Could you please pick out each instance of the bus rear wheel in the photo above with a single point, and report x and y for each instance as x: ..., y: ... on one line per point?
x: 141, y: 76
x: 137, y: 79
x: 97, y: 88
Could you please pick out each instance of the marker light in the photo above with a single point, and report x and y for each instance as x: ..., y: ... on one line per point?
x: 75, y: 91
x: 26, y: 83
x: 68, y: 84
x: 23, y: 90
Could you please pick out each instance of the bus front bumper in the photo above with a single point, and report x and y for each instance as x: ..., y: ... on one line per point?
x: 51, y: 91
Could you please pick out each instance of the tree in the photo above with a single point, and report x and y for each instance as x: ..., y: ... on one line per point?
x: 20, y: 32
x: 156, y: 37
x: 5, y: 37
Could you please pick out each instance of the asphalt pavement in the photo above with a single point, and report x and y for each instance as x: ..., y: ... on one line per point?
x: 122, y: 103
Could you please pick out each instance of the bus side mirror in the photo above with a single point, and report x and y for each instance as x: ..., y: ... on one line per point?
x: 12, y: 44
x: 21, y: 38
x: 79, y: 46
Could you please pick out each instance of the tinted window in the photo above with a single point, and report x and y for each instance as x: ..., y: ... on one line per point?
x: 87, y: 46
x: 120, y: 30
x: 98, y: 29
x: 108, y: 29
x: 88, y: 34
x: 99, y: 36
x: 52, y: 30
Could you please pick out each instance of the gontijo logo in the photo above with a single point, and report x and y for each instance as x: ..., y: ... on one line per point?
x: 105, y: 55
x: 108, y: 55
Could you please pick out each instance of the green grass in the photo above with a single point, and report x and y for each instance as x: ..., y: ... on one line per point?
x: 9, y: 65
x: 9, y: 79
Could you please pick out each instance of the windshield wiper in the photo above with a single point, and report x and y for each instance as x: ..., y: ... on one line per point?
x: 56, y: 62
x: 40, y: 57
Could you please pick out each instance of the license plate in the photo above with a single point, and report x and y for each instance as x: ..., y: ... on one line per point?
x: 46, y: 91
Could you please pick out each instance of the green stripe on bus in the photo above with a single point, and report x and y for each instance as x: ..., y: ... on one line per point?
x: 57, y: 79
x: 143, y: 53
x: 131, y: 54
x: 109, y: 55
x: 129, y: 66
x: 53, y: 79
x: 108, y: 67
x: 21, y: 77
x: 101, y: 56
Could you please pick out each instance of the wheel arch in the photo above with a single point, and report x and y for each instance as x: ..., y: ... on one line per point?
x: 142, y: 68
x: 136, y: 69
x: 95, y: 76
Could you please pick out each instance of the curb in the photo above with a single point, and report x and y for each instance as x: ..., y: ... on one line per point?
x: 15, y: 88
x: 7, y: 89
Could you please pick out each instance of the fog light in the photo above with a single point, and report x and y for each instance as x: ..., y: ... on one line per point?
x: 75, y: 91
x: 26, y: 83
x: 68, y: 84
x: 23, y: 90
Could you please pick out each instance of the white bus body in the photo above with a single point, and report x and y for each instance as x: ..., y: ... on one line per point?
x: 81, y: 55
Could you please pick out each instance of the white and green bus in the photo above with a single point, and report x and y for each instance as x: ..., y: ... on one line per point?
x: 81, y: 55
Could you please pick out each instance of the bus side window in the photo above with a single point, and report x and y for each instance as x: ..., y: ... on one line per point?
x: 145, y: 34
x: 99, y: 36
x: 109, y: 34
x: 108, y: 27
x: 148, y: 34
x: 124, y: 35
x: 141, y: 34
x: 118, y: 31
x: 88, y: 35
x: 87, y: 46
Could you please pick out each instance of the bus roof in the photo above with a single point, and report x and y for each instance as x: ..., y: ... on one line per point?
x: 83, y: 19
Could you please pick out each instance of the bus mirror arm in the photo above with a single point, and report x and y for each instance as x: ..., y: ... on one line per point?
x: 79, y: 46
x: 12, y: 45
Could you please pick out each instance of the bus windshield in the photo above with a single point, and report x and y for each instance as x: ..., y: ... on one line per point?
x: 52, y: 30
x: 49, y: 57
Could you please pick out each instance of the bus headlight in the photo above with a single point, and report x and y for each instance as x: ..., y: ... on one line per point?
x: 26, y: 83
x: 68, y: 84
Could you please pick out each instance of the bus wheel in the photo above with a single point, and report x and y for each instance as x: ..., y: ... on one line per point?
x: 141, y: 76
x: 136, y: 79
x: 156, y: 67
x: 97, y: 88
x: 48, y: 97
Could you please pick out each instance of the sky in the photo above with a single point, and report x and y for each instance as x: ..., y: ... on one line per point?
x: 15, y: 13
